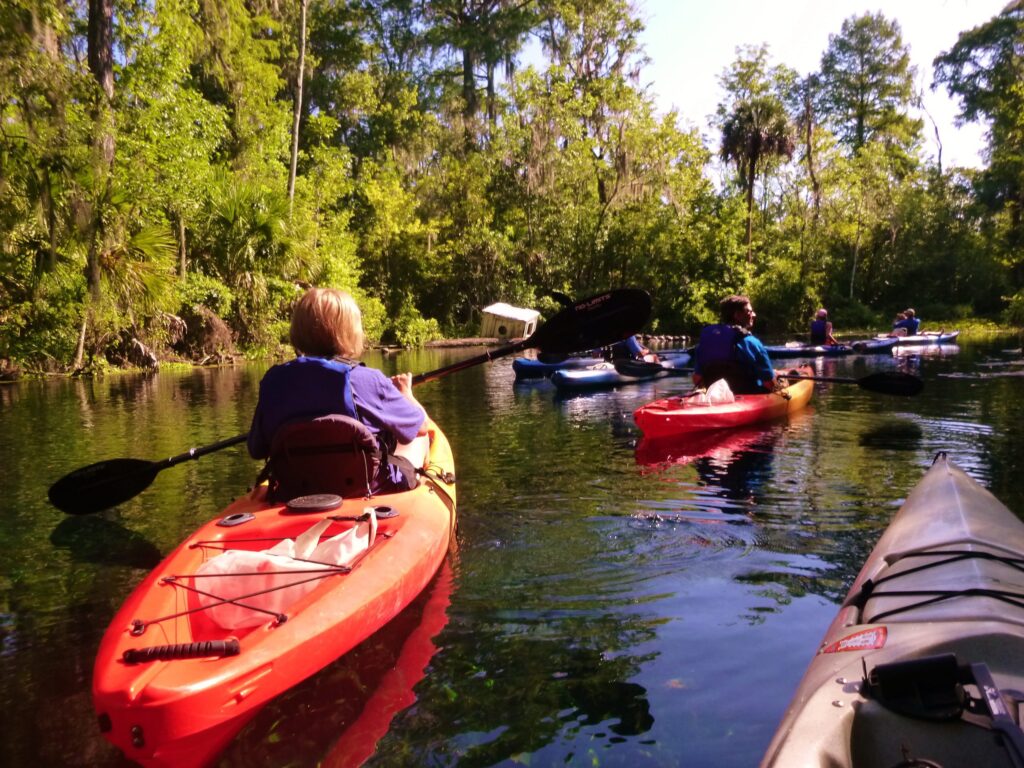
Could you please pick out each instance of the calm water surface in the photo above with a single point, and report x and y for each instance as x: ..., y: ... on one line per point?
x: 607, y: 605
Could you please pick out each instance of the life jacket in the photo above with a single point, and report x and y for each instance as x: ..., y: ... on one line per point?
x: 717, y: 358
x: 303, y: 389
x: 318, y: 443
x: 819, y: 331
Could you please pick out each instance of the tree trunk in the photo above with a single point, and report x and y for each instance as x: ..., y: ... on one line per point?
x: 298, y: 103
x: 469, y: 85
x: 101, y: 64
x: 750, y: 217
x: 856, y: 253
x: 182, y: 251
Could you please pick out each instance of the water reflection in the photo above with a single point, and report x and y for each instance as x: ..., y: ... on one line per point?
x: 893, y: 434
x: 610, y: 606
x: 336, y: 718
x: 927, y: 350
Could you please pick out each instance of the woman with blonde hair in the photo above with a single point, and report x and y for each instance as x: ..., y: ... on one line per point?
x: 326, y: 379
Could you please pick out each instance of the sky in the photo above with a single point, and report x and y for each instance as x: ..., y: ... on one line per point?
x: 692, y: 42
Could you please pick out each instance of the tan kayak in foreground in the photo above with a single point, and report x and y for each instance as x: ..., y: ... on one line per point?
x: 924, y: 665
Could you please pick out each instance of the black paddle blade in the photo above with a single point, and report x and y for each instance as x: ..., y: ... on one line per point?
x: 892, y: 383
x: 102, y: 485
x: 594, y: 322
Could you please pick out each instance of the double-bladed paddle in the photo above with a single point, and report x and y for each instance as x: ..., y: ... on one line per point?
x: 885, y: 382
x: 594, y: 322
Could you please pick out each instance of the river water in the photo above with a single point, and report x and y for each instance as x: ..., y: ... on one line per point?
x: 606, y: 605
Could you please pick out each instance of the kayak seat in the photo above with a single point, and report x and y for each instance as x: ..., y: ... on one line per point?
x: 329, y: 454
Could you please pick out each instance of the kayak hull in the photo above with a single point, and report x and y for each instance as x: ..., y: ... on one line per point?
x: 875, y: 346
x: 531, y: 368
x: 786, y: 351
x: 528, y: 368
x: 605, y: 375
x: 183, y: 712
x: 911, y: 602
x: 929, y: 337
x: 679, y: 415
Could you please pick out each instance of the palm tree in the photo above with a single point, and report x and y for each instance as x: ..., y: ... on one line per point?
x: 757, y: 131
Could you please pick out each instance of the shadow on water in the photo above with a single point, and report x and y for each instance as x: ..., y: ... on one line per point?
x: 91, y: 539
x: 892, y: 435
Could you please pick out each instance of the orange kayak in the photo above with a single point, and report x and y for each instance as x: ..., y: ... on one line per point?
x: 678, y: 415
x: 175, y: 680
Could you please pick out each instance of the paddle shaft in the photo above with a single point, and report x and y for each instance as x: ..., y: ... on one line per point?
x: 469, y: 362
x: 195, y: 453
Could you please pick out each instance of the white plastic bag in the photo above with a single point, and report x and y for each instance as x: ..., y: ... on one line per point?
x: 716, y: 394
x: 239, y: 572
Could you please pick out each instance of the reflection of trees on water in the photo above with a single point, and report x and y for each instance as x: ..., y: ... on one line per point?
x: 497, y: 687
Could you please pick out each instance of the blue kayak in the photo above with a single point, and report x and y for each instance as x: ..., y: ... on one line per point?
x: 796, y: 349
x: 874, y: 346
x: 864, y: 347
x: 530, y: 368
x: 613, y: 374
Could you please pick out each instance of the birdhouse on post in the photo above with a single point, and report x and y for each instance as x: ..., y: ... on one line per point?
x: 503, y: 321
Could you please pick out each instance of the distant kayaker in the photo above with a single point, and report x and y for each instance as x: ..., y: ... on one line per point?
x: 327, y: 333
x: 729, y: 351
x: 821, y: 329
x: 909, y: 323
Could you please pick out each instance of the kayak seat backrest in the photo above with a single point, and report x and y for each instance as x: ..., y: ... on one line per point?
x: 329, y: 454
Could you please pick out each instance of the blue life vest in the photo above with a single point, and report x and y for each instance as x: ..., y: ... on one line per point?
x: 717, y: 359
x: 303, y: 389
x: 819, y: 331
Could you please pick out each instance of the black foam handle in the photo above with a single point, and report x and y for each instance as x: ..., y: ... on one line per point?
x: 228, y: 647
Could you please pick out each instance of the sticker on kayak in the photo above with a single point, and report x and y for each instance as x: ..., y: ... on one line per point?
x: 864, y: 640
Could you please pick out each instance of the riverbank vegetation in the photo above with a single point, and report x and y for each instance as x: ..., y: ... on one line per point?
x: 174, y: 173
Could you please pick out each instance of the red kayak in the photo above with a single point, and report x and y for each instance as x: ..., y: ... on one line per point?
x: 191, y: 657
x: 687, y: 413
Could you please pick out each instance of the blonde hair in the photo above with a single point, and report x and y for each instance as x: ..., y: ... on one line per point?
x: 327, y: 322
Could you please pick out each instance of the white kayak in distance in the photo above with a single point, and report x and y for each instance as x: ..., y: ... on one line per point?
x: 927, y: 337
x: 923, y: 666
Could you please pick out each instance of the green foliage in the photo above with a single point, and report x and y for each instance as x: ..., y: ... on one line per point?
x: 434, y: 177
x: 411, y: 329
x: 1014, y: 314
x: 198, y: 290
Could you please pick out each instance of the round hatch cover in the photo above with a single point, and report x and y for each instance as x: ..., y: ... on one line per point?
x: 317, y: 502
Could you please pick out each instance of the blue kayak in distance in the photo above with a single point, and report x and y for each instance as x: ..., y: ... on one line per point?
x: 797, y: 349
x: 864, y: 347
x: 616, y: 373
x: 531, y: 368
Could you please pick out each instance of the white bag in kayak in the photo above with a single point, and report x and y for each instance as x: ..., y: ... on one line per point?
x: 717, y: 394
x: 272, y: 580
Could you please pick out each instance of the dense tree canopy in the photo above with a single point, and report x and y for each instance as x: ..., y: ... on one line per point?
x: 173, y: 173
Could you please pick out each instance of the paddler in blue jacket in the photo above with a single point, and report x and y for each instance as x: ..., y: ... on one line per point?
x: 729, y: 351
x: 821, y: 329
